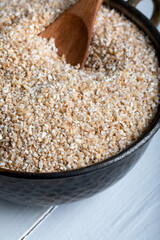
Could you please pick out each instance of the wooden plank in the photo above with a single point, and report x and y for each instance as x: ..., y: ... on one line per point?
x: 128, y: 210
x: 147, y: 9
x: 15, y: 219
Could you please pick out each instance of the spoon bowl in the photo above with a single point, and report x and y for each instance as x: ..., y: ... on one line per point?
x: 73, y: 30
x: 69, y: 25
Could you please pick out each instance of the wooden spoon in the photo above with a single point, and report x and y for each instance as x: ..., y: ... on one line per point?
x: 73, y: 31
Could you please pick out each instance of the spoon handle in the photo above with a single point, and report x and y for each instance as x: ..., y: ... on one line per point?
x: 86, y: 10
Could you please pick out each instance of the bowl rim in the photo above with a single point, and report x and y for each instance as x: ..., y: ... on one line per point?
x: 133, y: 14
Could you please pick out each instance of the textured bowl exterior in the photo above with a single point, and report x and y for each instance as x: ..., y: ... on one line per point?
x: 57, y: 188
x: 62, y: 190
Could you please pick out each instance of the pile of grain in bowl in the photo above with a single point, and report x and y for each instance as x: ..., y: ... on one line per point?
x: 55, y: 117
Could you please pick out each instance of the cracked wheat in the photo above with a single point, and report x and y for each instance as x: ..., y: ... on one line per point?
x: 55, y: 117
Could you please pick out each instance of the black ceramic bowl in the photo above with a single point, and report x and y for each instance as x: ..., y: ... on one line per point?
x: 58, y: 188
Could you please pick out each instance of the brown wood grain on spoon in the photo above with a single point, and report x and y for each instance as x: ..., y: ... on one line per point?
x: 73, y: 31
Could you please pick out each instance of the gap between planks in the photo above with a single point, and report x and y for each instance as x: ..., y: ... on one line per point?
x: 36, y: 224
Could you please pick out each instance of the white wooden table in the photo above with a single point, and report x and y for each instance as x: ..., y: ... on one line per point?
x: 129, y: 210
